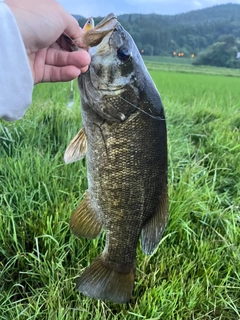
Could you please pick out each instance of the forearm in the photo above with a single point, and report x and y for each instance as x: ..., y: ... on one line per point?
x: 16, y: 80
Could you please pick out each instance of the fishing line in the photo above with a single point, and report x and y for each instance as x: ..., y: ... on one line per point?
x: 131, y: 104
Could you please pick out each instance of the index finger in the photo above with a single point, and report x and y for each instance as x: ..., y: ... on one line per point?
x: 72, y: 28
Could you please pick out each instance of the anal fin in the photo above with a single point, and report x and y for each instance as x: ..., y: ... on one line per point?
x: 100, y: 282
x: 77, y: 147
x: 154, y: 228
x: 84, y: 221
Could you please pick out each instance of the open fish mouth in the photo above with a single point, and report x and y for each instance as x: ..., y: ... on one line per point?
x: 95, y: 35
x: 107, y: 24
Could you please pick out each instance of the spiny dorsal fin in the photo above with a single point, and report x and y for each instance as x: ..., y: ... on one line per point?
x: 101, y: 282
x: 153, y: 229
x: 84, y: 221
x: 77, y: 147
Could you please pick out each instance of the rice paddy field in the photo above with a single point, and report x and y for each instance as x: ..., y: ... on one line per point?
x: 194, y: 273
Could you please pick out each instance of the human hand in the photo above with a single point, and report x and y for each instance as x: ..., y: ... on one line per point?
x: 42, y: 24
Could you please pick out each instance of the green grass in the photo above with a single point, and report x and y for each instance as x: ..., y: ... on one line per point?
x: 170, y: 59
x: 195, y: 272
x: 184, y: 65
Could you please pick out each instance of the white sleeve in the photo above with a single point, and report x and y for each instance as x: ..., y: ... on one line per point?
x: 16, y: 80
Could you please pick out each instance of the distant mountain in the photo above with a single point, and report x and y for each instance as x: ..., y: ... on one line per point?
x: 78, y: 17
x: 188, y: 32
x: 216, y: 13
x: 225, y: 12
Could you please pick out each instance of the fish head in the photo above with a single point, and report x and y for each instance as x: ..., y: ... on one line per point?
x: 116, y: 77
x: 113, y: 59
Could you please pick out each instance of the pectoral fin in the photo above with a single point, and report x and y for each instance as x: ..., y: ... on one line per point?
x: 84, y: 221
x: 77, y: 147
x: 153, y: 229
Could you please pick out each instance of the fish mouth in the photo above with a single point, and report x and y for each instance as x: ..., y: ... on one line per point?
x: 96, y: 35
x: 107, y: 24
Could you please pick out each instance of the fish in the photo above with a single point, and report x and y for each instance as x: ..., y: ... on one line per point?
x: 124, y: 140
x: 89, y: 24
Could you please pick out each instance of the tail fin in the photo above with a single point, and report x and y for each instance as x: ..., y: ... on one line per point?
x: 101, y: 282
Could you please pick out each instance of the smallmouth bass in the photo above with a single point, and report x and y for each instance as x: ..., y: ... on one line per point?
x: 124, y: 139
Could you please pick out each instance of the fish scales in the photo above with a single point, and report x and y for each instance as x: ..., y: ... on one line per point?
x: 126, y: 155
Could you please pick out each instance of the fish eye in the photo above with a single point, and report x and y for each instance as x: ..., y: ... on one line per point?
x: 123, y: 54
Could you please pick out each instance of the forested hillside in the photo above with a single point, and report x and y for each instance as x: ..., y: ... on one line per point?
x: 190, y: 32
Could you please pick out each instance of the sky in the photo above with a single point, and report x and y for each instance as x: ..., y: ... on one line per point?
x: 88, y: 8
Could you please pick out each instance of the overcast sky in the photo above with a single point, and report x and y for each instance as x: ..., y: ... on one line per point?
x: 88, y: 8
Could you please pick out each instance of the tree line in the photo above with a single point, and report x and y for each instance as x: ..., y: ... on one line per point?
x: 197, y: 32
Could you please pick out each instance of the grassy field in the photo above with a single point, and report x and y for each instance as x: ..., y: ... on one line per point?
x: 195, y: 272
x: 184, y: 65
x: 168, y: 60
